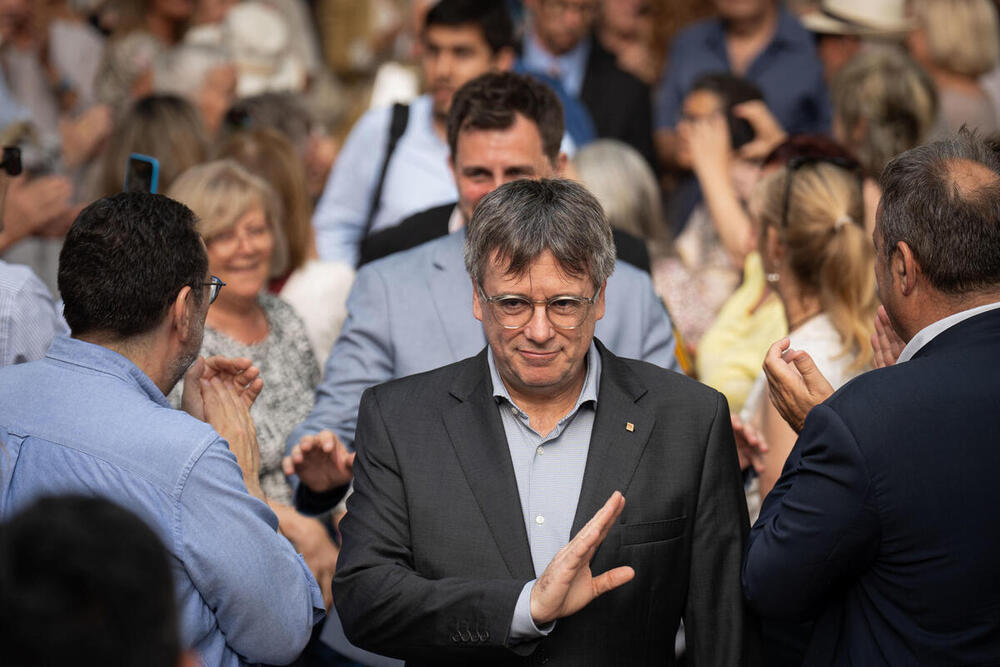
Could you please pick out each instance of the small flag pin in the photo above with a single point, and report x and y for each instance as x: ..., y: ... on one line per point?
x: 629, y: 426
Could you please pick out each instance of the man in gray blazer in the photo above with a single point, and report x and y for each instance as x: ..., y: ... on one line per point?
x: 471, y: 479
x: 409, y: 312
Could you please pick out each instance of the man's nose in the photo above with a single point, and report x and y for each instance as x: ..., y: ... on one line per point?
x: 539, y: 329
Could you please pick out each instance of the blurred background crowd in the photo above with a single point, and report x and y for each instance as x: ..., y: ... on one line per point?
x: 734, y: 144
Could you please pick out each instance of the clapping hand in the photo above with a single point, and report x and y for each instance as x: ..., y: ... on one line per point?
x: 886, y: 343
x: 750, y: 445
x: 321, y: 461
x: 794, y: 384
x: 567, y: 585
x: 240, y: 372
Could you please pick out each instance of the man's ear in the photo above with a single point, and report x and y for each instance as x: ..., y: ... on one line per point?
x: 904, y: 268
x: 477, y: 306
x: 599, y: 303
x: 183, y: 312
x: 561, y: 163
x: 503, y: 60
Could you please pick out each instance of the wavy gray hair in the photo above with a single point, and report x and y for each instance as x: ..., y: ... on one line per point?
x: 520, y: 220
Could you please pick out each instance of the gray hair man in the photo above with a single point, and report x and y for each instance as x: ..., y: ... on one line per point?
x: 878, y: 526
x: 488, y: 490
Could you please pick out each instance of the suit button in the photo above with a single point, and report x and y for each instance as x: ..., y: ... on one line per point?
x: 539, y: 519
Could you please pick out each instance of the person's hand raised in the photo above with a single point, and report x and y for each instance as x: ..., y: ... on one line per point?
x: 228, y: 413
x: 567, y: 585
x: 321, y: 461
x: 794, y: 384
x: 768, y: 132
x: 886, y: 343
x: 750, y: 445
x: 238, y: 371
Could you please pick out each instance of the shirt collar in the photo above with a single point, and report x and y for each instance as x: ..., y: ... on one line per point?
x: 931, y: 331
x: 588, y: 393
x: 570, y: 65
x: 100, y: 359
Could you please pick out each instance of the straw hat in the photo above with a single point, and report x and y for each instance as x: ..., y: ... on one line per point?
x: 871, y: 18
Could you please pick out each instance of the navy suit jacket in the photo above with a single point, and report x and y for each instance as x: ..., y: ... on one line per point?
x: 884, y: 524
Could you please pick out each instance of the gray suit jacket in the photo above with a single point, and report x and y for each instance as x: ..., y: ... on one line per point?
x: 435, y: 549
x: 412, y: 311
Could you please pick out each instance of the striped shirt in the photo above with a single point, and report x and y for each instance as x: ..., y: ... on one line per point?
x: 29, y: 317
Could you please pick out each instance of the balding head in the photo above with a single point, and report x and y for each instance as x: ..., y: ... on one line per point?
x: 943, y: 201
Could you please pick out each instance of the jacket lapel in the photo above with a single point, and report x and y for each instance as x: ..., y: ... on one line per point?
x: 615, y: 449
x: 477, y: 435
x: 451, y: 294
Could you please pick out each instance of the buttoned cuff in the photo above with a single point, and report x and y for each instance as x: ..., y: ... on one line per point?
x: 522, y: 626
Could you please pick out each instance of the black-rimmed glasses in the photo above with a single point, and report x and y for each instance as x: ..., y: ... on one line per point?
x: 215, y: 286
x: 513, y: 311
x: 797, y: 163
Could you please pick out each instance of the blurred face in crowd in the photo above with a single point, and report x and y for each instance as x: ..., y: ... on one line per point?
x: 538, y: 359
x: 698, y: 105
x: 486, y: 159
x: 562, y: 24
x: 173, y: 10
x: 241, y: 255
x: 454, y: 55
x: 15, y: 17
x: 217, y: 93
x: 835, y: 50
x: 743, y: 10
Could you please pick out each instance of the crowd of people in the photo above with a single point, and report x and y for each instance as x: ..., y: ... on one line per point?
x: 582, y: 332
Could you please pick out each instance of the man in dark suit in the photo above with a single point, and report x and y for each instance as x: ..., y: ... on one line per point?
x: 883, y: 524
x: 471, y: 479
x: 559, y: 43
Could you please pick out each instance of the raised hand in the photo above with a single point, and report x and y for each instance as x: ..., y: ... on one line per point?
x: 768, y: 132
x: 239, y: 371
x: 321, y: 461
x: 886, y: 343
x: 567, y: 585
x: 750, y: 446
x: 794, y: 384
x: 229, y: 415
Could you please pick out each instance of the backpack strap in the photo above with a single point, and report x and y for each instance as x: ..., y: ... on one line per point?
x: 400, y: 118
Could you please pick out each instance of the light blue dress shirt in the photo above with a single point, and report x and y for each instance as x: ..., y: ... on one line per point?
x: 549, y: 472
x: 418, y: 178
x: 29, y: 317
x: 569, y: 68
x: 87, y: 420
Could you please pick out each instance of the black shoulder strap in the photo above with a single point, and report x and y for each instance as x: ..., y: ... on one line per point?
x: 400, y: 117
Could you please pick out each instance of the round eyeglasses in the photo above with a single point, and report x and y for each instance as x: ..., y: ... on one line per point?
x: 215, y: 285
x: 513, y: 311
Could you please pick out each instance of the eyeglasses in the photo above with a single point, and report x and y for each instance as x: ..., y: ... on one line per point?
x: 564, y: 311
x: 215, y: 286
x: 797, y: 163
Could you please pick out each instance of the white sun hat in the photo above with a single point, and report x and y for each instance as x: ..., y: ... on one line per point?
x: 873, y: 18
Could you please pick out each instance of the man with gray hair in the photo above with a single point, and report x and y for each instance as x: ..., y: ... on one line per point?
x: 882, y: 526
x: 470, y: 480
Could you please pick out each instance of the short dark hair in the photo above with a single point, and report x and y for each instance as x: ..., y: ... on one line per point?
x: 522, y: 219
x: 490, y: 16
x: 85, y: 582
x: 732, y: 89
x: 954, y: 235
x: 124, y: 260
x: 492, y: 101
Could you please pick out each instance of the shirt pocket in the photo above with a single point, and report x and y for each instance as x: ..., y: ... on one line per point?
x: 651, y: 532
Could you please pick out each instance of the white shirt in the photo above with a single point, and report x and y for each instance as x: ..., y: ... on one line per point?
x: 931, y: 331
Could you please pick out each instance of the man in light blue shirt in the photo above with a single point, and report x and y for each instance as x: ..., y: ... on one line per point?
x: 462, y: 39
x: 92, y: 418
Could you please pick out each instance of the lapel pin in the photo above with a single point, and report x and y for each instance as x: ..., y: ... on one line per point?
x: 629, y: 426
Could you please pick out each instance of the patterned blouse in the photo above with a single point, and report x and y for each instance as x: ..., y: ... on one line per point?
x: 290, y: 372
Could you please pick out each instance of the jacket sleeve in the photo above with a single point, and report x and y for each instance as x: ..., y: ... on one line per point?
x: 264, y: 598
x: 818, y: 527
x: 386, y: 605
x: 361, y: 357
x: 717, y: 627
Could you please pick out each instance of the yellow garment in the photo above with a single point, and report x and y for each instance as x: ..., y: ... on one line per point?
x: 731, y: 352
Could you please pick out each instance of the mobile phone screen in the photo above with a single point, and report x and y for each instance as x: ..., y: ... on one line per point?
x: 140, y: 176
